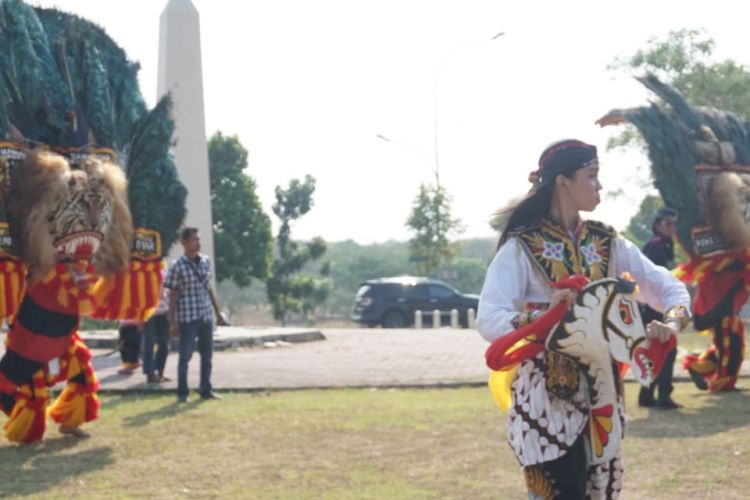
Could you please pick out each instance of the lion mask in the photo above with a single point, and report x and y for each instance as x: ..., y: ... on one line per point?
x: 76, y: 215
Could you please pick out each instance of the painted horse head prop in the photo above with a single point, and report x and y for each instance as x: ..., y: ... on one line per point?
x: 604, y: 325
x: 605, y: 322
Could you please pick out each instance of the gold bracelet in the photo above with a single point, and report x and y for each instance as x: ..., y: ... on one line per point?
x: 679, y: 313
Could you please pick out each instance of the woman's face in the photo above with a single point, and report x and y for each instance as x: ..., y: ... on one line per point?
x: 583, y: 189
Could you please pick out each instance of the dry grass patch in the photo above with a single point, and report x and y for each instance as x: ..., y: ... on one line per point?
x: 342, y: 444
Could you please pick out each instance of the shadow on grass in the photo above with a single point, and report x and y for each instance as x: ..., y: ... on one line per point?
x: 166, y: 411
x: 717, y: 413
x: 118, y: 377
x: 37, y: 468
x: 112, y: 402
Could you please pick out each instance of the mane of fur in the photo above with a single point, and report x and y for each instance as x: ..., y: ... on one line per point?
x: 35, y: 189
x: 730, y: 196
x: 114, y: 251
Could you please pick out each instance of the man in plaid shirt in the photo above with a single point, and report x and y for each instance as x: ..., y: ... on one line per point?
x: 192, y: 304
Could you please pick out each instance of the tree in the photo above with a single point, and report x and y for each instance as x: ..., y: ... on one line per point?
x: 433, y: 225
x: 639, y: 228
x: 242, y: 231
x: 287, y: 291
x: 683, y: 59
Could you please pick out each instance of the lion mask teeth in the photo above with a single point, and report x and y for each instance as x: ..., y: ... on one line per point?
x: 78, y: 246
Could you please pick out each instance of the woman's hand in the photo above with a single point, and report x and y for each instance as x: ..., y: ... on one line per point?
x: 662, y: 331
x: 564, y: 295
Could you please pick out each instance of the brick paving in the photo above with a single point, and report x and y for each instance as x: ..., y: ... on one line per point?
x: 346, y: 358
x: 285, y: 359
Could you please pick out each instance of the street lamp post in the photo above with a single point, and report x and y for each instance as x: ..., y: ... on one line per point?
x: 441, y: 224
x: 436, y: 164
x: 413, y: 148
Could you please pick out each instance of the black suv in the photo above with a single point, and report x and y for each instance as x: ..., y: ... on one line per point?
x: 392, y: 302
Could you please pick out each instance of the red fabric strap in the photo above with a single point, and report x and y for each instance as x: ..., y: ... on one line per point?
x: 497, y: 355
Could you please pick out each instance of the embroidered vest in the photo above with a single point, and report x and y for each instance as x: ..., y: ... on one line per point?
x: 553, y: 251
x: 555, y: 254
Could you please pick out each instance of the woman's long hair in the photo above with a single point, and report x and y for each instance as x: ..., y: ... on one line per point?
x: 528, y: 210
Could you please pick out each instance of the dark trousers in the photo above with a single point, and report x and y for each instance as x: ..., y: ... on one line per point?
x: 155, y: 331
x: 663, y: 382
x: 130, y: 344
x: 202, y: 331
x: 567, y: 475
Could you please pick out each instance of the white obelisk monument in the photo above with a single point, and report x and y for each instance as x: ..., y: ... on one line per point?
x: 180, y: 73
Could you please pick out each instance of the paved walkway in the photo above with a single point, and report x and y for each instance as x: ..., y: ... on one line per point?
x: 340, y: 358
x: 346, y: 358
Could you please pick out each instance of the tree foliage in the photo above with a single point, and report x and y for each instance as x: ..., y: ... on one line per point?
x: 287, y: 290
x: 684, y: 60
x: 242, y: 231
x: 639, y: 229
x: 433, y: 227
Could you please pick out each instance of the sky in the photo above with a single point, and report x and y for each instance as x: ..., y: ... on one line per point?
x: 309, y: 86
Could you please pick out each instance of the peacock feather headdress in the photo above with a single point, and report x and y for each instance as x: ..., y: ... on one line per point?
x: 65, y: 84
x: 698, y: 156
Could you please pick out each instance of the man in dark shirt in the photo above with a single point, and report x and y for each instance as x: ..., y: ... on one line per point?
x: 660, y: 250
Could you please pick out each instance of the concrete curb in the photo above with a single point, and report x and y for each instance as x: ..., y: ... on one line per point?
x: 156, y: 390
x: 224, y: 337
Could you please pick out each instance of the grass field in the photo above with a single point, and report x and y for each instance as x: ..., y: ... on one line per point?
x: 361, y: 444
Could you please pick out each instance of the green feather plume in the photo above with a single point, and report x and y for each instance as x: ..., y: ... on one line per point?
x: 65, y: 83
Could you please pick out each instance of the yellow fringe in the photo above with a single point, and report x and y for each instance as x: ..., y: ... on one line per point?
x: 71, y: 367
x: 21, y: 420
x: 69, y: 408
x: 718, y: 384
x: 19, y: 423
x: 500, y: 387
x: 500, y: 381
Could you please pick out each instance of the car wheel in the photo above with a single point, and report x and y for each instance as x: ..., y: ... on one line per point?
x: 394, y: 319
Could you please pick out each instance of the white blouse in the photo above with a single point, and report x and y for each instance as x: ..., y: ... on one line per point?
x: 511, y: 282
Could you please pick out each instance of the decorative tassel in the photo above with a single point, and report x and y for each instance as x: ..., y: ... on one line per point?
x: 719, y: 365
x: 131, y: 294
x: 12, y: 279
x: 27, y: 421
x: 700, y: 364
x: 75, y: 359
x: 59, y: 284
x: 500, y: 383
x: 78, y: 402
x: 75, y: 406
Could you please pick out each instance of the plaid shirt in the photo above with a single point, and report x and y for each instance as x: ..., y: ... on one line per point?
x: 192, y: 281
